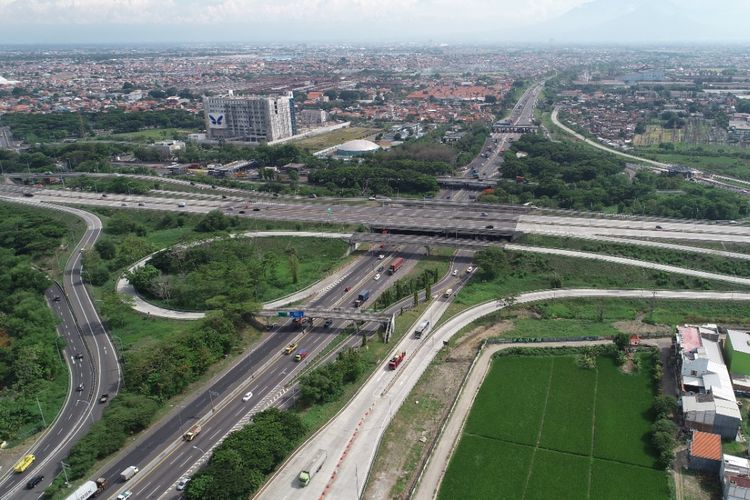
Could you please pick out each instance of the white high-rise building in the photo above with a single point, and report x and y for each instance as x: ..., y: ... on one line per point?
x: 250, y: 118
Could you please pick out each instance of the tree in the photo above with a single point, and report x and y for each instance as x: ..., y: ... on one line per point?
x: 213, y: 221
x: 622, y: 341
x: 142, y: 277
x: 491, y: 262
x: 106, y: 248
x: 416, y: 298
x: 293, y: 264
x: 428, y: 291
x: 664, y: 406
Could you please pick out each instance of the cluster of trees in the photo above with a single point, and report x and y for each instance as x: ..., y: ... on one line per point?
x: 664, y: 430
x: 404, y: 288
x: 56, y: 126
x: 572, y: 176
x: 29, y: 346
x: 119, y: 185
x: 240, y: 464
x: 266, y: 156
x: 326, y: 383
x: 381, y: 177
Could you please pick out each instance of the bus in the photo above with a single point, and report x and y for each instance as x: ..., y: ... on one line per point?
x: 422, y: 327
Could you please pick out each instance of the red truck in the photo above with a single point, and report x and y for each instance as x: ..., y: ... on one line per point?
x: 396, y: 265
x: 396, y: 360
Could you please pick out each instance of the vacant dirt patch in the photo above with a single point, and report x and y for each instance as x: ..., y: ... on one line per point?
x: 640, y: 328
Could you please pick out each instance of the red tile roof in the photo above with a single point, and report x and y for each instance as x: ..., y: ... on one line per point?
x: 706, y: 445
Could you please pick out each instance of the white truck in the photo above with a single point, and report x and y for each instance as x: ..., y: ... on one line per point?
x: 313, y: 467
x: 89, y: 489
x: 129, y: 472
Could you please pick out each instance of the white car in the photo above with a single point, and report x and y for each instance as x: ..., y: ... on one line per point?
x: 377, y: 277
x: 381, y: 256
x: 455, y: 272
x: 469, y: 269
x: 182, y: 483
x: 247, y: 396
x: 124, y: 495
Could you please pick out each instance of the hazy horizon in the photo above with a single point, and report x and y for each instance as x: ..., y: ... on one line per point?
x: 314, y: 21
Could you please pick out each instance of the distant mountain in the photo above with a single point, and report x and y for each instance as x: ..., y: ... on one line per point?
x: 633, y: 21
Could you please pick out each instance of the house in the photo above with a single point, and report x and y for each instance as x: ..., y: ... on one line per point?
x: 735, y: 482
x: 704, y: 453
x: 708, y: 400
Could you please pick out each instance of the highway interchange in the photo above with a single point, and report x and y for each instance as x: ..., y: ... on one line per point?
x: 264, y: 371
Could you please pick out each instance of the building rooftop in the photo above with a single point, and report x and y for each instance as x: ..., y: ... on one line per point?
x: 358, y: 146
x: 706, y: 445
x: 740, y: 340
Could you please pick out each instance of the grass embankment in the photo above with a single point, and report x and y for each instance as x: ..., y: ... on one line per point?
x: 322, y: 141
x: 688, y: 260
x: 717, y: 159
x: 529, y: 272
x: 583, y: 433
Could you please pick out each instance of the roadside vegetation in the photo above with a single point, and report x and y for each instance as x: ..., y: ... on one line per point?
x: 33, y: 375
x: 688, y: 260
x: 572, y: 176
x: 732, y: 161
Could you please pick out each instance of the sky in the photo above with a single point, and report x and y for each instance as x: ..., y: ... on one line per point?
x: 118, y: 21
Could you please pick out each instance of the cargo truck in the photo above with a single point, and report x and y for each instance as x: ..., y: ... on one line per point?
x: 396, y: 360
x: 362, y: 297
x: 89, y: 489
x: 313, y: 467
x: 395, y: 265
x: 192, y: 433
x: 129, y: 472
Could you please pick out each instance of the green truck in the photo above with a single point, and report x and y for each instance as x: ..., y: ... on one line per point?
x: 312, y: 467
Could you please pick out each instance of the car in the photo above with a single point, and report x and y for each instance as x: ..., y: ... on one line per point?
x: 484, y: 214
x: 242, y: 211
x: 327, y: 323
x: 312, y: 195
x: 56, y: 299
x: 141, y: 204
x: 455, y: 272
x: 247, y: 396
x: 182, y: 483
x: 290, y: 348
x: 372, y: 198
x: 256, y: 209
x: 104, y: 195
x: 79, y: 388
x: 104, y: 398
x: 123, y: 204
x: 377, y: 277
x: 489, y: 226
x: 381, y: 269
x: 125, y: 495
x: 223, y: 197
x: 28, y: 195
x: 301, y: 355
x: 78, y: 356
x: 657, y: 227
x: 381, y: 256
x: 33, y: 482
x: 469, y: 269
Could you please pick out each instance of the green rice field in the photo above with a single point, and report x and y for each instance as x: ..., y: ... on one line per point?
x: 541, y: 427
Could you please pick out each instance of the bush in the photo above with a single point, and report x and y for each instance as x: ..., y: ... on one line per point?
x: 326, y: 383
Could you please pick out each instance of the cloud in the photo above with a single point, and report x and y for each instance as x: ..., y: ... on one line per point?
x: 415, y: 13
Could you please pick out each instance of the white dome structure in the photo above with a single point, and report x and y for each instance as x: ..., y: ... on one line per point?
x: 356, y: 148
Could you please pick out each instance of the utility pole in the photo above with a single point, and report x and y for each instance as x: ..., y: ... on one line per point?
x: 41, y: 412
x: 65, y: 472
